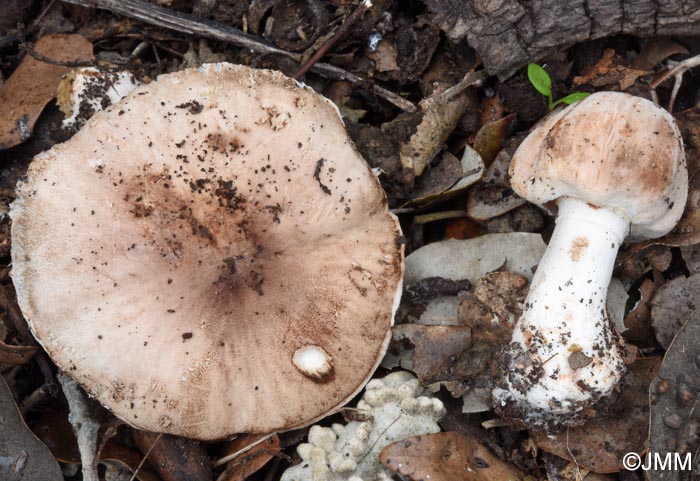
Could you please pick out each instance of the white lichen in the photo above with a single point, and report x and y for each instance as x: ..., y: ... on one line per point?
x: 393, y: 408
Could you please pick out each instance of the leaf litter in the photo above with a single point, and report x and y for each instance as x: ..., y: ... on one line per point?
x: 446, y: 165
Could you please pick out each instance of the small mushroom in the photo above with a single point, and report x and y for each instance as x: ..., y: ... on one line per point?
x: 610, y: 165
x: 210, y: 255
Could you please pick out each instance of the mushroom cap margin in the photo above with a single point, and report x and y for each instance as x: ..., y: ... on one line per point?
x: 102, y: 222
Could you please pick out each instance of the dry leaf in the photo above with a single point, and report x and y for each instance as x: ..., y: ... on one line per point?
x: 488, y: 141
x: 448, y: 178
x: 446, y: 457
x: 384, y: 57
x: 34, y: 83
x: 430, y: 127
x: 22, y: 456
x: 674, y: 396
x: 472, y: 258
x: 493, y: 196
x: 638, y: 321
x: 439, y: 352
x: 526, y: 218
x: 691, y: 256
x: 673, y: 304
x: 491, y: 110
x: 54, y: 430
x: 16, y: 355
x: 173, y: 457
x: 610, y: 71
x: 656, y: 50
x: 463, y: 228
x: 600, y: 444
x: 251, y: 460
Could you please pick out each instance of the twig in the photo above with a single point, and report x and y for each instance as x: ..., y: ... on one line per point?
x: 231, y: 456
x: 145, y: 457
x: 471, y: 79
x: 85, y: 426
x: 342, y: 30
x: 249, y: 457
x: 676, y: 72
x: 163, y: 17
x: 43, y: 13
x: 340, y: 74
x: 568, y: 450
x: 44, y: 392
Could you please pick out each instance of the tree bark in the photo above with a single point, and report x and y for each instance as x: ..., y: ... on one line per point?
x: 507, y: 34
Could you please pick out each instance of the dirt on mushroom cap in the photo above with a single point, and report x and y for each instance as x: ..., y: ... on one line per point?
x: 176, y: 253
x: 613, y: 150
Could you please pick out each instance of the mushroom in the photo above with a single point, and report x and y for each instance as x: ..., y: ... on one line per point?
x: 610, y: 165
x: 209, y: 256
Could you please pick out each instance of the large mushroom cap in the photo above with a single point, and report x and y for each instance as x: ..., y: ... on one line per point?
x: 612, y: 150
x: 210, y: 256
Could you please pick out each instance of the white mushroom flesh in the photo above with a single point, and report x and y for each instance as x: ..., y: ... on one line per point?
x: 564, y: 352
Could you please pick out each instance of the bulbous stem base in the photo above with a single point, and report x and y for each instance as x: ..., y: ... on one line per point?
x: 565, y: 354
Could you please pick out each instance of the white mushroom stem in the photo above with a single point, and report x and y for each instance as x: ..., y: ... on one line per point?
x: 564, y: 353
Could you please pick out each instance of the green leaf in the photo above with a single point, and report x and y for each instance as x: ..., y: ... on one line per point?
x: 539, y: 79
x: 573, y: 98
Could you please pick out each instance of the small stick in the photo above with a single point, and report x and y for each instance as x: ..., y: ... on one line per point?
x: 342, y: 30
x: 229, y: 457
x: 676, y: 72
x: 145, y: 457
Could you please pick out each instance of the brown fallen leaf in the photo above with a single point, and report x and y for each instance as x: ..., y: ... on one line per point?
x: 384, y: 57
x: 674, y: 396
x: 638, y: 321
x: 463, y: 228
x: 491, y: 110
x: 563, y: 470
x: 16, y: 355
x: 526, y: 218
x: 493, y: 195
x: 600, y: 444
x: 34, y: 83
x: 446, y: 457
x: 56, y: 432
x: 488, y: 140
x: 441, y: 353
x: 656, y: 50
x: 252, y: 460
x: 173, y: 457
x: 447, y: 179
x: 691, y: 256
x: 610, y: 70
x: 673, y: 304
x: 428, y: 129
x: 22, y: 456
x: 404, y: 53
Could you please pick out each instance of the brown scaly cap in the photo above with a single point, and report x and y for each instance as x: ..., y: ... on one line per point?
x: 612, y: 150
x: 196, y: 246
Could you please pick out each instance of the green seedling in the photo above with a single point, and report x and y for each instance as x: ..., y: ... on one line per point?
x: 540, y: 79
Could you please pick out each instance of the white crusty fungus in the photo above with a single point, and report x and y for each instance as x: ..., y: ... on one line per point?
x: 394, y: 408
